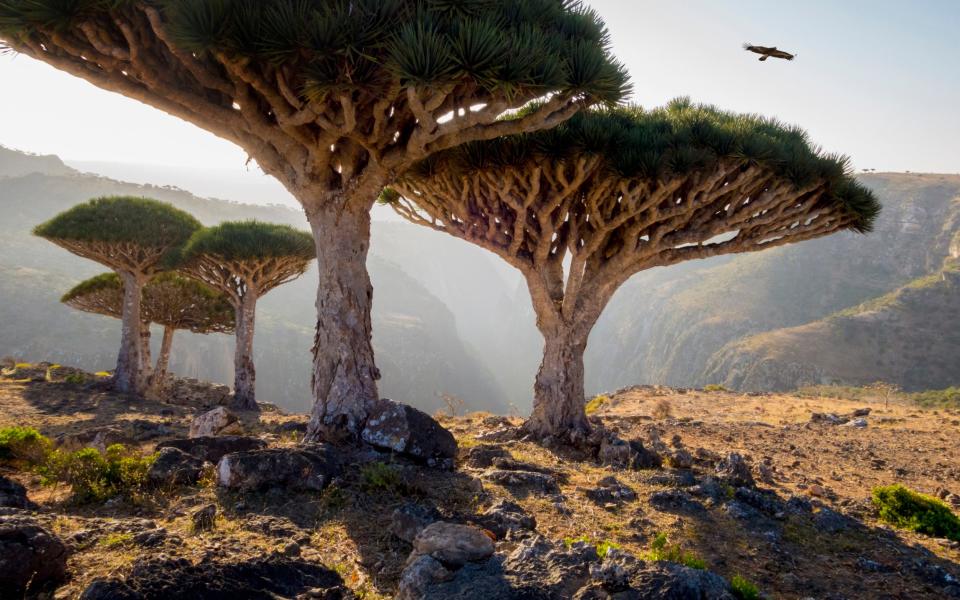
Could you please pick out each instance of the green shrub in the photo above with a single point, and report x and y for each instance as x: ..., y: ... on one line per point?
x: 715, y: 387
x: 914, y: 511
x: 662, y: 551
x: 379, y: 476
x: 23, y: 446
x: 602, y: 546
x: 95, y: 477
x: 743, y: 589
x: 595, y: 404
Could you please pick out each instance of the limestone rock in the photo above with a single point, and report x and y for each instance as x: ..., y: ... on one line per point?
x: 259, y: 579
x: 174, y: 467
x: 213, y: 448
x: 406, y: 430
x: 734, y: 470
x: 218, y: 421
x: 12, y: 494
x: 308, y: 467
x: 505, y: 517
x: 453, y: 544
x: 31, y: 558
x: 410, y: 519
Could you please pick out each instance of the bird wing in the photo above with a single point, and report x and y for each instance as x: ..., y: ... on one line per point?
x: 781, y: 54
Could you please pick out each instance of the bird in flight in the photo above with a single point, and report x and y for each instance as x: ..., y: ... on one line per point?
x: 767, y: 52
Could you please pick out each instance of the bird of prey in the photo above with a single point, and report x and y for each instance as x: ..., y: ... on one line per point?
x: 767, y: 52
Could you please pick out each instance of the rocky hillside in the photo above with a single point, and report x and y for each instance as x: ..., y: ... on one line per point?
x: 668, y: 326
x: 707, y: 495
x: 422, y: 354
x: 909, y: 336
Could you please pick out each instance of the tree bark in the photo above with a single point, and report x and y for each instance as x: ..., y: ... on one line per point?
x: 344, y: 373
x: 244, y: 374
x: 559, y: 403
x: 146, y: 362
x: 129, y: 375
x: 163, y: 361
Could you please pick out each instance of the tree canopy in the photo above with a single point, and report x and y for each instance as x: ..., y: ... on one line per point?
x: 249, y: 241
x: 581, y: 208
x: 145, y: 222
x: 169, y: 300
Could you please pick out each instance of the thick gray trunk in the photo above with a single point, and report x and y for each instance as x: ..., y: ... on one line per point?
x: 163, y: 361
x: 244, y: 374
x: 146, y: 362
x: 558, y: 405
x: 344, y: 373
x: 129, y: 375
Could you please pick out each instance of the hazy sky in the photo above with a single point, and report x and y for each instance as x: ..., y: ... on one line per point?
x: 876, y: 79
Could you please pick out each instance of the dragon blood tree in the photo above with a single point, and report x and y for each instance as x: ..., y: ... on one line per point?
x: 246, y: 260
x: 334, y: 99
x: 132, y: 236
x: 169, y: 300
x: 579, y: 209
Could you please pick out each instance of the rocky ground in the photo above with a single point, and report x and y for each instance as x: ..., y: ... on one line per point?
x: 772, y: 488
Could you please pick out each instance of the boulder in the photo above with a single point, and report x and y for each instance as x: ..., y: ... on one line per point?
x: 670, y: 581
x: 505, y: 517
x: 268, y: 578
x: 309, y: 467
x: 482, y: 456
x: 213, y: 448
x: 735, y: 471
x: 174, y: 467
x: 191, y: 392
x: 676, y: 501
x: 610, y: 491
x: 406, y: 430
x: 419, y: 575
x: 410, y: 519
x: 12, y: 494
x: 204, y: 518
x: 31, y: 558
x: 218, y: 421
x: 453, y: 543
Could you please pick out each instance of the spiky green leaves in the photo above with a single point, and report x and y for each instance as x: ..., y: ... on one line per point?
x: 672, y: 141
x: 349, y: 45
x: 250, y: 240
x: 147, y: 223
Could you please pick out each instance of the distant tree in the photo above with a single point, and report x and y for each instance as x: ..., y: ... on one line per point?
x: 132, y: 236
x: 169, y: 300
x: 334, y: 99
x: 579, y: 209
x: 245, y: 261
x: 884, y: 391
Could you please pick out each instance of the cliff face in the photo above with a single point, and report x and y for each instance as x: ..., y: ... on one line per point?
x: 667, y: 327
x: 909, y: 337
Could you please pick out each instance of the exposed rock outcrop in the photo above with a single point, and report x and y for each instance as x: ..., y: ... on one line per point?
x: 213, y: 448
x: 218, y: 421
x: 31, y: 557
x: 306, y: 468
x: 406, y: 430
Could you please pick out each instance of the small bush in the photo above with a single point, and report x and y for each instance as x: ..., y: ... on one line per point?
x: 23, y: 446
x: 380, y: 476
x: 715, y: 387
x: 662, y: 551
x: 907, y: 509
x: 595, y: 404
x: 602, y: 546
x: 662, y: 409
x: 743, y: 589
x: 95, y: 477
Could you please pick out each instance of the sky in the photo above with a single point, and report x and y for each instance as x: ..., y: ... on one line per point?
x: 874, y: 79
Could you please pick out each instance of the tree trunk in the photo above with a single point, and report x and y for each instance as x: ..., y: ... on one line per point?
x: 344, y: 373
x: 146, y: 362
x: 244, y: 374
x: 558, y: 405
x: 163, y: 361
x: 129, y: 375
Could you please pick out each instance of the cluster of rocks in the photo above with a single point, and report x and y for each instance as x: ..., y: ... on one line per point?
x: 856, y: 419
x: 32, y: 559
x: 460, y: 561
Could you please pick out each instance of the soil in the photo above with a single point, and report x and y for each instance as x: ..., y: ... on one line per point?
x: 347, y: 527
